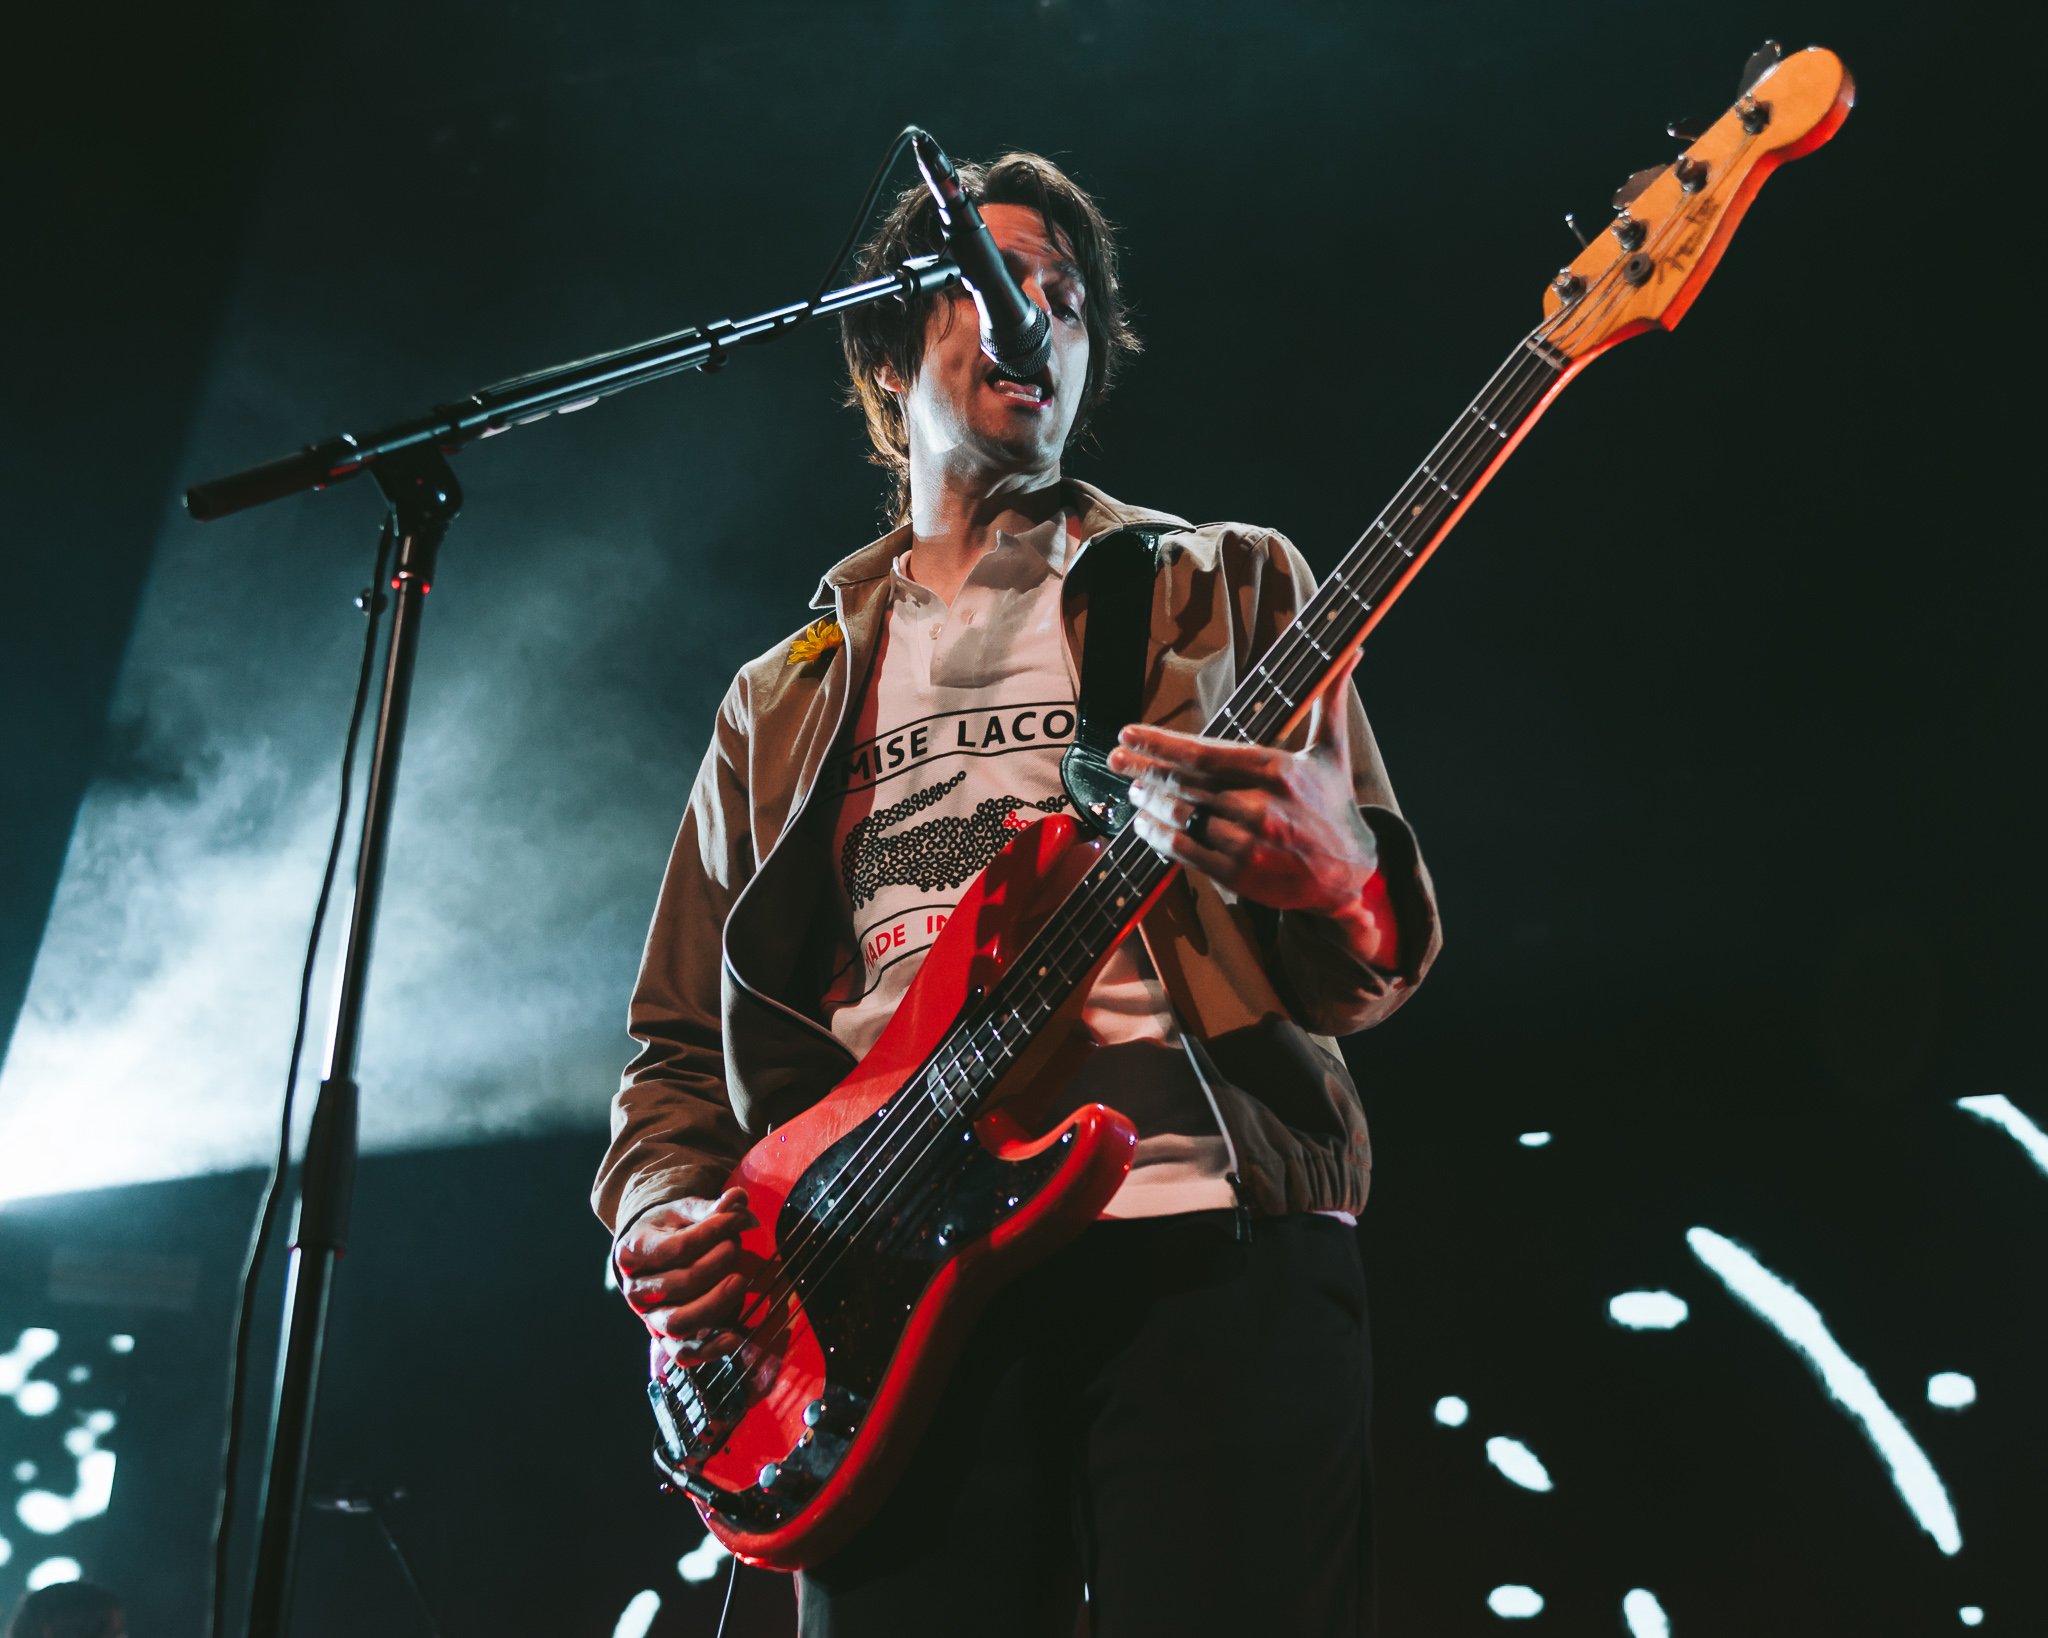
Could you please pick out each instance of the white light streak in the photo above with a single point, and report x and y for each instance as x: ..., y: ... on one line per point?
x: 1452, y: 1411
x: 46, y: 1512
x: 51, y: 1571
x: 1999, y: 1110
x: 1648, y: 1310
x: 1534, y: 1140
x: 638, y: 1615
x: 30, y: 1349
x: 1644, y: 1615
x: 1517, y: 1463
x: 701, y: 1562
x: 1799, y: 1323
x: 1513, y: 1603
x: 121, y: 1343
x: 1971, y: 1615
x: 1951, y: 1390
x: 43, y: 1511
x: 95, y: 1485
x: 6, y: 1549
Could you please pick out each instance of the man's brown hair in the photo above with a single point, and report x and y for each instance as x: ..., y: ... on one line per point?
x: 892, y: 332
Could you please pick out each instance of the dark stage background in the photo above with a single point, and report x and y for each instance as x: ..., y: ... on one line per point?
x: 1713, y: 718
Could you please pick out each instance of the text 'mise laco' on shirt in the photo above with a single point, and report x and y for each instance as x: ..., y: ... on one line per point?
x: 955, y: 749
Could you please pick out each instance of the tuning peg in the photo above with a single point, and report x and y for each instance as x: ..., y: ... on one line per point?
x: 1631, y: 190
x: 1578, y: 232
x: 1687, y: 131
x: 1765, y: 58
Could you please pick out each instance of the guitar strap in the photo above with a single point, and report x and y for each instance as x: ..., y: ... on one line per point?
x: 1120, y: 568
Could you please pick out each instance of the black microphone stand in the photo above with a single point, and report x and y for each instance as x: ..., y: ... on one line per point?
x: 409, y: 461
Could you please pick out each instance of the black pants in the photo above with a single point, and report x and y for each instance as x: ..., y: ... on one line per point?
x: 1172, y: 1418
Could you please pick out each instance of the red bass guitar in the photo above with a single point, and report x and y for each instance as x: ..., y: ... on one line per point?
x: 893, y: 1206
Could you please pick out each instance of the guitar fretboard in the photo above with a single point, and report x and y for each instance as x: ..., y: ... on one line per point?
x: 1273, y: 694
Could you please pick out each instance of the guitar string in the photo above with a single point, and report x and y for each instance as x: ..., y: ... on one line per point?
x: 940, y: 1067
x: 1431, y: 486
x: 796, y: 1269
x: 794, y: 1273
x: 896, y: 1169
x: 1227, y: 717
x: 1527, y: 367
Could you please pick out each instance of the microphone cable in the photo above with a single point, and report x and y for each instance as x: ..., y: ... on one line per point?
x: 867, y: 207
x: 373, y: 604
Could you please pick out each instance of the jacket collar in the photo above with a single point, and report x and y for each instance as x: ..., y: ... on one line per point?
x: 1099, y: 514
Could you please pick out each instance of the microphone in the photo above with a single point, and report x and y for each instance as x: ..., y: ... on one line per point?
x: 1016, y: 333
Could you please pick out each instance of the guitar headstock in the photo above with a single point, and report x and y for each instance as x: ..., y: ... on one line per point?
x: 1672, y: 222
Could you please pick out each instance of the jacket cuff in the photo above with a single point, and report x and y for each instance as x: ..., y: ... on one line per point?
x: 1415, y: 920
x: 1336, y: 990
x: 659, y: 1186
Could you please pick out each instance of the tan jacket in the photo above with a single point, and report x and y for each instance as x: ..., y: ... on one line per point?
x: 730, y: 1037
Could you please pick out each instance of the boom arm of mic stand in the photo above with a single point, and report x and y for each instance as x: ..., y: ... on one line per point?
x: 494, y: 409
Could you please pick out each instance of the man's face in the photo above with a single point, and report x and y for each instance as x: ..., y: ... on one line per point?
x: 957, y: 410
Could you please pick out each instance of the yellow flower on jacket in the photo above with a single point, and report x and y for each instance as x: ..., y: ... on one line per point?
x: 816, y: 638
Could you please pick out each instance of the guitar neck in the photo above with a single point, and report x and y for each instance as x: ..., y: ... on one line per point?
x: 1277, y: 692
x: 1273, y: 697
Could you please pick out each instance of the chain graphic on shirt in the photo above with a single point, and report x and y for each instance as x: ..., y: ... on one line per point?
x: 941, y: 852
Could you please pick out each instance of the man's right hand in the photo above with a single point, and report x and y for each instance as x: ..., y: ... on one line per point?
x: 677, y: 1269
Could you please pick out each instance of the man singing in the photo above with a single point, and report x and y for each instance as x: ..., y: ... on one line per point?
x: 1170, y: 1413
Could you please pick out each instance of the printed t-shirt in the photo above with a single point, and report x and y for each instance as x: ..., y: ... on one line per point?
x: 955, y: 748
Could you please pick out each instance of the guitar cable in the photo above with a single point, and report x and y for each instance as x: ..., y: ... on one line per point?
x: 732, y: 1579
x: 372, y: 603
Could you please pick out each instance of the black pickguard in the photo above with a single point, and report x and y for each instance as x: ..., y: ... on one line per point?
x: 859, y: 1269
x: 857, y: 1304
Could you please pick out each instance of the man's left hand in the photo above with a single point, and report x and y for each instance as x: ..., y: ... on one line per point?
x: 1281, y: 828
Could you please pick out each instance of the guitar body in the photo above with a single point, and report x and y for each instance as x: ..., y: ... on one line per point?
x: 837, y: 1368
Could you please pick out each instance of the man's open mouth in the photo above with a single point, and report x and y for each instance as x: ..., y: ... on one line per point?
x: 1033, y: 389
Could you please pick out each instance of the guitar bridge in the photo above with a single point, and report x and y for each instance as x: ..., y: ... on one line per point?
x: 681, y: 1416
